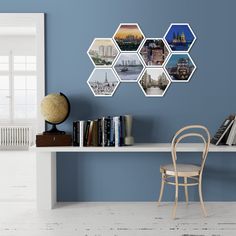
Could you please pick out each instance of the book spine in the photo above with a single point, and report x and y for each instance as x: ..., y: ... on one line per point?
x: 77, y: 133
x: 81, y: 132
x: 74, y: 133
x: 117, y: 134
x: 122, y: 130
x: 234, y: 140
x: 112, y: 133
x: 231, y: 135
x: 95, y: 133
x: 222, y: 139
x: 108, y: 131
x: 86, y: 133
x: 103, y: 135
x: 100, y: 138
x: 90, y: 134
x: 105, y: 128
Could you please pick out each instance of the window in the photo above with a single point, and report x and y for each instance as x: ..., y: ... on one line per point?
x: 4, y: 87
x: 18, y: 88
x: 21, y: 39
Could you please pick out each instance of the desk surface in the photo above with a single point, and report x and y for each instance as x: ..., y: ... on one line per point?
x: 138, y: 147
x: 47, y: 167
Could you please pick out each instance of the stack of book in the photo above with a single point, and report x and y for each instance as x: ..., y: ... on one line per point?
x: 105, y: 132
x: 226, y: 134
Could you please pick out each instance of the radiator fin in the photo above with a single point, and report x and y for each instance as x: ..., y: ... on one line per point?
x: 15, y: 137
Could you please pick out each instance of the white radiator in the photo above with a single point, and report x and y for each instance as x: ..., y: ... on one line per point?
x: 15, y: 137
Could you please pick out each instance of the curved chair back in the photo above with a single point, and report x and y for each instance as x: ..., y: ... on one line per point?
x: 200, y: 132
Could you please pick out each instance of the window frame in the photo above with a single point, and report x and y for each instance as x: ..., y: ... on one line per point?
x: 38, y: 20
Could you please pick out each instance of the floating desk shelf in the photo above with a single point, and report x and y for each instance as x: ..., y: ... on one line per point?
x: 46, y: 163
x: 139, y: 147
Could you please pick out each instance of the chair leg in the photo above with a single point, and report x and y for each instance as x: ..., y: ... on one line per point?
x: 162, y: 189
x: 176, y: 197
x: 186, y: 189
x: 200, y: 196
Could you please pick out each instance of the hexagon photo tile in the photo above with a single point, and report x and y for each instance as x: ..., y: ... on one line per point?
x: 154, y: 82
x: 128, y: 67
x: 180, y: 67
x: 128, y: 37
x: 103, y: 82
x: 154, y: 52
x: 103, y: 52
x: 180, y: 37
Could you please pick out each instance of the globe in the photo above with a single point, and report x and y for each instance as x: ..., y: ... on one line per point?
x: 55, y: 109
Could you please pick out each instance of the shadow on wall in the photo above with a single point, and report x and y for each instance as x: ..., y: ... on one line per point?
x: 81, y: 109
x: 144, y: 129
x: 76, y: 111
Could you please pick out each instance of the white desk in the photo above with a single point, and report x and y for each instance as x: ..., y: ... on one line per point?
x: 46, y: 163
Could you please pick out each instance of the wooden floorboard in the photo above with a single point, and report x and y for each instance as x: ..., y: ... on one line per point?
x: 117, y: 219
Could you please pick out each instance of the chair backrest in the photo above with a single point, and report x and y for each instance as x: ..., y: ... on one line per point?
x: 201, y: 132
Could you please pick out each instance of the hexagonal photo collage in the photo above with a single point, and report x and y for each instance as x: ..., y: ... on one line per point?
x: 153, y: 63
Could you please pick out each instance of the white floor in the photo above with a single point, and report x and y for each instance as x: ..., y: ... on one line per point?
x: 17, y: 176
x: 115, y: 219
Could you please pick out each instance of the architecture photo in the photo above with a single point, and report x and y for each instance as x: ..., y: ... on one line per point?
x: 103, y: 82
x: 154, y: 52
x: 180, y: 37
x: 128, y: 67
x: 154, y: 82
x: 103, y: 52
x: 128, y: 37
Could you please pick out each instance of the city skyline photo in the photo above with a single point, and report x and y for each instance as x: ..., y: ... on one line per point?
x: 180, y: 37
x: 103, y: 82
x: 154, y: 52
x: 103, y: 52
x: 128, y: 67
x: 128, y: 37
x: 154, y: 82
x: 180, y: 67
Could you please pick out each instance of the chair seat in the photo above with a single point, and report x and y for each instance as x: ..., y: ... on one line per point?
x: 184, y: 170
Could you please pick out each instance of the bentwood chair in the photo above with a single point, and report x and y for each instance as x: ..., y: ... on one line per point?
x: 190, y: 174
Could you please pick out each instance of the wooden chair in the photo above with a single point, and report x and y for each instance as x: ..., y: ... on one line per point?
x: 186, y: 171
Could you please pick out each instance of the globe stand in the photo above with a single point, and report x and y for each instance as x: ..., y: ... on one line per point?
x: 54, y: 131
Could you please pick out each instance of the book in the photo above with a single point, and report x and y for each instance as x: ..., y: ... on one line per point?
x: 100, y: 132
x: 90, y: 131
x: 81, y: 132
x: 117, y: 131
x: 86, y: 133
x: 108, y: 122
x: 75, y: 143
x: 122, y: 130
x: 112, y: 132
x: 76, y: 133
x: 222, y: 133
x: 234, y: 140
x: 105, y: 131
x: 232, y: 134
x: 95, y: 134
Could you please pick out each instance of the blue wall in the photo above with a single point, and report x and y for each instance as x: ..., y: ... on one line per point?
x: 71, y: 25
